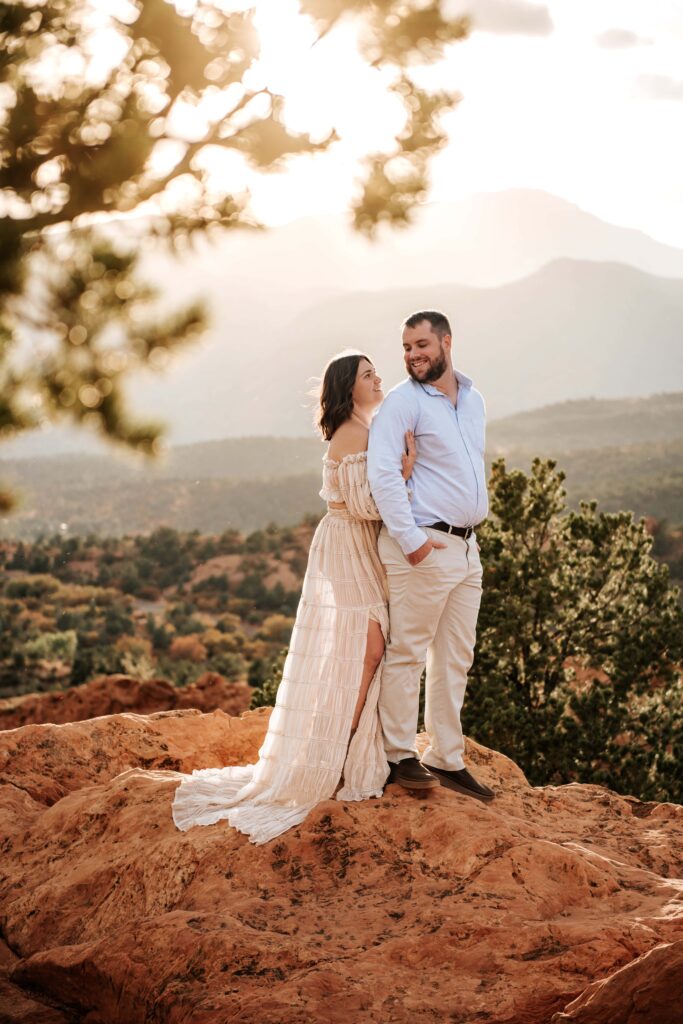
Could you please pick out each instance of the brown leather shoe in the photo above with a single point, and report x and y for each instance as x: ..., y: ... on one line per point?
x: 462, y: 781
x: 412, y: 774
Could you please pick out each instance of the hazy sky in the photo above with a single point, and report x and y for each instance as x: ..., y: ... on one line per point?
x: 581, y: 98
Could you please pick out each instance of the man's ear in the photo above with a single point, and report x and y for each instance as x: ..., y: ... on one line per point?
x: 447, y: 341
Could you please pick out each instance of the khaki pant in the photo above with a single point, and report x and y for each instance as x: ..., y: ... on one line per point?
x: 433, y: 609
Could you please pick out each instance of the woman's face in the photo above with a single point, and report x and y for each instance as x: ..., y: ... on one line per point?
x: 367, y: 391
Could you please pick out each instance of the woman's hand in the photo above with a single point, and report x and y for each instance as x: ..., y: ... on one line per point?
x: 409, y: 456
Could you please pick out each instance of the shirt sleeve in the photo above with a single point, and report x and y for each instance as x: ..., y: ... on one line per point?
x: 385, y: 447
x: 483, y: 421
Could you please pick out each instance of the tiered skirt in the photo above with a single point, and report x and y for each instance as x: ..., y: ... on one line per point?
x: 308, y: 746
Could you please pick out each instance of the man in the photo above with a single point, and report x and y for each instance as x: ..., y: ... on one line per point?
x: 428, y: 547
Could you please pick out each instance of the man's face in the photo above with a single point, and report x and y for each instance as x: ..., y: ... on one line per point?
x: 425, y: 354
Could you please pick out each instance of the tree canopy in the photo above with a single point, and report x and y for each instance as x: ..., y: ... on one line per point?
x: 92, y: 159
x: 577, y: 670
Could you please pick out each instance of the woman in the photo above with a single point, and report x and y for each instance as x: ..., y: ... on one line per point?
x: 324, y: 723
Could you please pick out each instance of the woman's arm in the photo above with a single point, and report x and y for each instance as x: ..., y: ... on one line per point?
x: 409, y: 455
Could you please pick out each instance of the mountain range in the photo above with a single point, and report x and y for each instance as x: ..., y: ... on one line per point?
x: 548, y: 303
x: 483, y: 241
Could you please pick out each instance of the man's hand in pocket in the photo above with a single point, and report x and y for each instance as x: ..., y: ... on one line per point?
x: 415, y: 557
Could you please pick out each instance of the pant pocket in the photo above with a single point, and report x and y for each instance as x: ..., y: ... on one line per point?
x: 429, y: 559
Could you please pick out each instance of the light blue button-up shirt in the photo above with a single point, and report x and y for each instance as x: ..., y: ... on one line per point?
x: 448, y: 482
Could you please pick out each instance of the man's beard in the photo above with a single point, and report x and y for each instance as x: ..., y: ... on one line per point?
x: 436, y: 369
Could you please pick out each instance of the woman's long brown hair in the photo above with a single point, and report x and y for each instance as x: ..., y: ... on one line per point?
x: 336, y: 392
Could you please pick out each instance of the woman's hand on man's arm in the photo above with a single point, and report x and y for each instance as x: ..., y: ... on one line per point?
x: 409, y: 455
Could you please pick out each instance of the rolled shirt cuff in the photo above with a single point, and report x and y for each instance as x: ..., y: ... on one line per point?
x: 411, y: 540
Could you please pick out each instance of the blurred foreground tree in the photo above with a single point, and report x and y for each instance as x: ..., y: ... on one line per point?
x: 95, y: 161
x: 577, y: 671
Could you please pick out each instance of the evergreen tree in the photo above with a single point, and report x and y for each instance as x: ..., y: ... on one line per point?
x: 18, y: 559
x: 580, y: 638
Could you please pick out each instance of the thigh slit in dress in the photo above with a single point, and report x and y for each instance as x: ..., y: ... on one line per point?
x: 306, y: 749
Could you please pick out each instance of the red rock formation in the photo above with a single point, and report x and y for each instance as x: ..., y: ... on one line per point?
x: 407, y: 908
x: 18, y: 1007
x: 109, y: 695
x: 649, y: 990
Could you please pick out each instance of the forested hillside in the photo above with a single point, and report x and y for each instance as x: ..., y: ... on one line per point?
x: 625, y: 453
x: 168, y: 604
x: 576, y: 616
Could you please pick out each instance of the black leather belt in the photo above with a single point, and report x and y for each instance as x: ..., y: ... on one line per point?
x: 459, y: 531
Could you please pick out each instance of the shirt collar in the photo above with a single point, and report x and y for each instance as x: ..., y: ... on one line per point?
x: 462, y: 379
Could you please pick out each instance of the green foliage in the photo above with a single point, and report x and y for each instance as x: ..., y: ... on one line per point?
x: 52, y: 646
x: 94, y: 660
x: 580, y: 638
x: 217, y: 582
x: 181, y: 617
x: 229, y: 542
x: 117, y: 623
x: 265, y: 694
x: 18, y: 559
x: 77, y: 152
x: 137, y: 662
x: 164, y: 550
x: 667, y: 546
x: 257, y: 542
x: 253, y: 590
x: 39, y: 586
x: 228, y: 664
x: 158, y: 635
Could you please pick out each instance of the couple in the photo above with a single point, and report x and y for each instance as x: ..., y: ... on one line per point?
x: 393, y: 579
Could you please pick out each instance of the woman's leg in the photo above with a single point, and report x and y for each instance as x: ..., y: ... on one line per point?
x: 374, y: 650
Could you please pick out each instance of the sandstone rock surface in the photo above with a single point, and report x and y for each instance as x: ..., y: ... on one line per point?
x: 109, y: 695
x: 435, y: 908
x: 648, y: 989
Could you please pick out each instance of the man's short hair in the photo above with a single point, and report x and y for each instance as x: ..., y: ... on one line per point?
x: 439, y: 321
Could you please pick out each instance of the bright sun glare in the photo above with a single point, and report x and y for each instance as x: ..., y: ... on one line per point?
x: 598, y: 140
x: 325, y: 85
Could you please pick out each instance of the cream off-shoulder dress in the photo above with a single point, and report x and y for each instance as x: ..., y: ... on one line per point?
x: 307, y: 750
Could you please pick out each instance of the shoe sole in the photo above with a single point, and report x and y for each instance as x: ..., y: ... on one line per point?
x: 417, y: 785
x: 432, y: 783
x: 457, y: 788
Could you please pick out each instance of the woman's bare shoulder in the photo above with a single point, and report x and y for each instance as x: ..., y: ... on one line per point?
x: 348, y: 439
